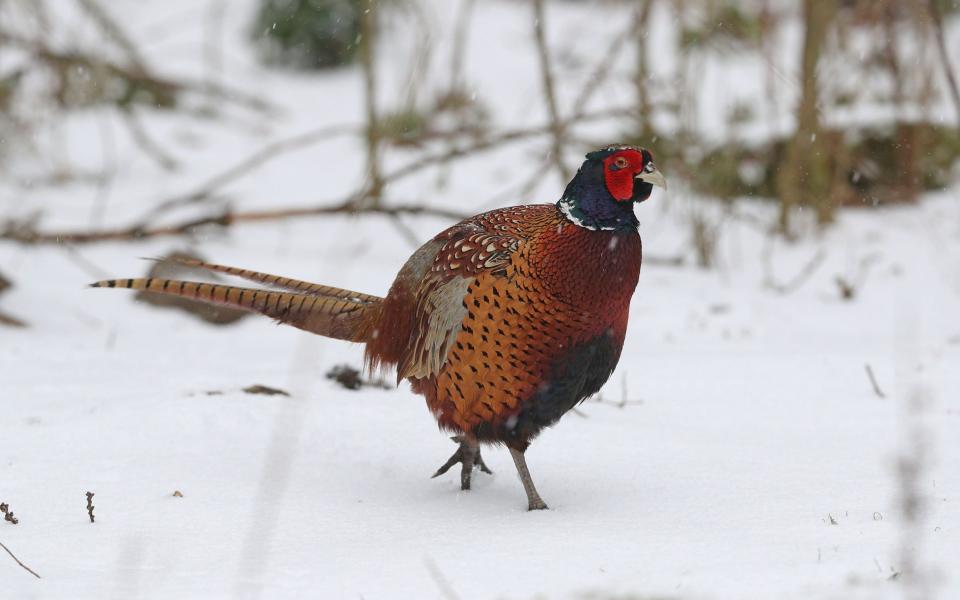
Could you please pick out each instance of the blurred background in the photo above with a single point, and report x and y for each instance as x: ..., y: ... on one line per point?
x: 794, y: 335
x: 813, y: 106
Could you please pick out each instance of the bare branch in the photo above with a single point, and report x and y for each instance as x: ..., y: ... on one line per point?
x: 146, y: 143
x: 160, y: 85
x: 115, y: 33
x: 25, y: 235
x: 246, y: 166
x: 546, y: 75
x: 368, y: 29
x: 31, y: 571
x: 799, y: 279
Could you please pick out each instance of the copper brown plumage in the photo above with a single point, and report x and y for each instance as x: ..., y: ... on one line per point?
x: 503, y: 322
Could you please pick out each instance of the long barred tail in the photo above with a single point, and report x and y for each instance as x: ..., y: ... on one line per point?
x: 286, y: 283
x: 324, y: 310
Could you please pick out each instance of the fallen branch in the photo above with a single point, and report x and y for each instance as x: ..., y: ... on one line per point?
x: 13, y: 556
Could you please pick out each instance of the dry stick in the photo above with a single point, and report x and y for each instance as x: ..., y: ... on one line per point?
x: 8, y: 514
x: 90, y: 506
x: 873, y: 382
x: 31, y: 571
x: 944, y: 55
x: 546, y: 75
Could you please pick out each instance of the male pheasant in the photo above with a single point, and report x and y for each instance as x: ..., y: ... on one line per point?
x: 504, y: 322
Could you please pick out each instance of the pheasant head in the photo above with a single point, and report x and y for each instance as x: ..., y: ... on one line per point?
x: 602, y: 193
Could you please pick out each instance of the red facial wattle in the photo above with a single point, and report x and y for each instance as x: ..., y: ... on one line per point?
x: 619, y: 170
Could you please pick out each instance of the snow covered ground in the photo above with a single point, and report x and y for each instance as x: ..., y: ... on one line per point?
x: 753, y: 459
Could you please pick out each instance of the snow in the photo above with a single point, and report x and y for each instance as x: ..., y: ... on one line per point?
x: 753, y: 459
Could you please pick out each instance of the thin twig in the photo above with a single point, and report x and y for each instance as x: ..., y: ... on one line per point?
x: 368, y: 29
x: 149, y: 147
x: 873, y: 382
x: 495, y: 142
x: 601, y: 71
x: 249, y: 164
x: 800, y: 278
x: 461, y: 30
x: 546, y: 76
x: 226, y: 219
x: 31, y: 571
x: 164, y: 86
x: 115, y: 33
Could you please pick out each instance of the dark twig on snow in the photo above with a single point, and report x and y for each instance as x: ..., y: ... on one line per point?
x: 873, y: 381
x: 31, y: 571
x: 90, y: 505
x: 265, y: 390
x: 8, y: 515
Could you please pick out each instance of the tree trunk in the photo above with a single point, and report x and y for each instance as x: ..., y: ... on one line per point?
x: 805, y: 178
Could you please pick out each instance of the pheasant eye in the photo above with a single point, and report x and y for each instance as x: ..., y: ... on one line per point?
x: 620, y: 163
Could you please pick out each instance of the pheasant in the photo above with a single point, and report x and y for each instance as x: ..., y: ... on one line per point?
x: 503, y: 322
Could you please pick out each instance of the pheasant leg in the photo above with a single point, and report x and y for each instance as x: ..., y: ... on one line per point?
x: 468, y: 455
x: 534, y: 501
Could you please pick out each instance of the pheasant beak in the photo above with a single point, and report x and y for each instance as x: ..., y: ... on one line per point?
x: 653, y: 176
